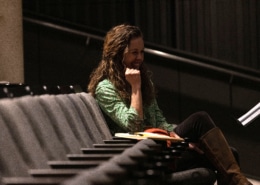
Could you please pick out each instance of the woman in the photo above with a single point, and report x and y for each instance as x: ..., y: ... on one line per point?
x: 122, y: 86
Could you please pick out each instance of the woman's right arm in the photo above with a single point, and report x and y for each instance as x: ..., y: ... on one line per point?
x: 110, y: 102
x: 133, y: 77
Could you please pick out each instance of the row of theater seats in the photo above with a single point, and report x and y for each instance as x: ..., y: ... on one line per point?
x: 63, y: 139
x: 11, y: 90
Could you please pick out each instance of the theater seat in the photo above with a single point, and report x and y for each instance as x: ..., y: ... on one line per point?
x: 38, y: 133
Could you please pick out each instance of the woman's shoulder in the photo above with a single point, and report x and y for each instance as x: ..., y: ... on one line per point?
x: 105, y: 83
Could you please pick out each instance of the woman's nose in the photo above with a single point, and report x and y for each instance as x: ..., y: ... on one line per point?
x: 140, y: 55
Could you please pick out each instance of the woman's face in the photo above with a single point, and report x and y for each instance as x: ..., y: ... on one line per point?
x: 134, y: 56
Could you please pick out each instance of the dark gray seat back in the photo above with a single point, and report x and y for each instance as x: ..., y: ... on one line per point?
x: 36, y: 129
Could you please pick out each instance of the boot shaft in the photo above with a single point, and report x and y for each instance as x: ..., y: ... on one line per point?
x: 218, y: 152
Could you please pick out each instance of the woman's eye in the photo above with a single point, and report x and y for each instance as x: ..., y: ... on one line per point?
x: 137, y: 52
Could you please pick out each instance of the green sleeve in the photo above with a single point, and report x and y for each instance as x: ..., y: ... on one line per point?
x: 110, y: 102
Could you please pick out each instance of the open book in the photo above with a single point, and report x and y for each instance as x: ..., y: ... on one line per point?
x: 250, y: 116
x: 147, y: 135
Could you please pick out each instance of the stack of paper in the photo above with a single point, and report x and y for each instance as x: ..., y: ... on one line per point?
x: 147, y: 135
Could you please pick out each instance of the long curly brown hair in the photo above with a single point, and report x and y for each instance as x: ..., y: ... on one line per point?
x: 112, y: 68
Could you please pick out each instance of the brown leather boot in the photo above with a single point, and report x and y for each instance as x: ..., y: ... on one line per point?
x: 218, y: 152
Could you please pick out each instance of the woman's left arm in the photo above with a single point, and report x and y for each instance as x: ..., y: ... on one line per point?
x: 160, y: 119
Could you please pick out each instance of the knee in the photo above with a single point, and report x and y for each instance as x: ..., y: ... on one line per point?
x: 204, y: 118
x: 202, y: 114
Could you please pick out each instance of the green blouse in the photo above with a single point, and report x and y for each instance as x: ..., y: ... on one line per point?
x: 126, y: 117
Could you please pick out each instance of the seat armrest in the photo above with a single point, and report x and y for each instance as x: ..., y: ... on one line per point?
x: 74, y: 164
x: 90, y: 156
x: 33, y: 180
x: 102, y: 150
x: 113, y: 145
x: 54, y: 172
x: 122, y: 141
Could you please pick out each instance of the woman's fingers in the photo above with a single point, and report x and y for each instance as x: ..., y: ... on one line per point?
x: 133, y: 77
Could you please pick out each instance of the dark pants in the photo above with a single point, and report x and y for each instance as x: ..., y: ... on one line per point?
x: 193, y: 128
